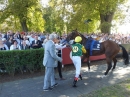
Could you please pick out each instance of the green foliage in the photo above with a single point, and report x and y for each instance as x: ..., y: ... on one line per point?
x: 20, y: 10
x: 73, y: 13
x: 60, y: 15
x: 86, y: 9
x: 105, y: 27
x: 53, y: 16
x: 17, y: 59
x: 35, y: 20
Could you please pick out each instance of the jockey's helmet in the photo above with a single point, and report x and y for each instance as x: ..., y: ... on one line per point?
x: 78, y: 39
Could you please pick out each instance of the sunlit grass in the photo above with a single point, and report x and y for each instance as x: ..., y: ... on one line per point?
x: 118, y: 90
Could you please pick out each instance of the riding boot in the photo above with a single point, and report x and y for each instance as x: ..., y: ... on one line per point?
x: 75, y: 81
x: 80, y: 77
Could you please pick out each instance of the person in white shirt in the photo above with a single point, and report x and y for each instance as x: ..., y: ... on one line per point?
x: 15, y: 46
x: 59, y: 48
x: 31, y: 38
x: 25, y: 38
x: 3, y: 46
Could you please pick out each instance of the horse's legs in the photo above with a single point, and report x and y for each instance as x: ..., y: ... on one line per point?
x: 109, y: 65
x: 115, y: 61
x: 88, y: 62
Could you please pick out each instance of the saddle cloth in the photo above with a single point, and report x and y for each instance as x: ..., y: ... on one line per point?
x: 92, y: 45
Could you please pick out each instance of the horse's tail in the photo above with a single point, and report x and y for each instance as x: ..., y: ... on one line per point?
x: 125, y: 55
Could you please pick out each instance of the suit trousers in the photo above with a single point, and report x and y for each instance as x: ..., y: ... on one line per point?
x: 59, y: 67
x: 49, y: 79
x: 77, y: 63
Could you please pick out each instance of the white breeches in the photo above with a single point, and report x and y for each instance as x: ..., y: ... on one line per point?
x: 77, y: 63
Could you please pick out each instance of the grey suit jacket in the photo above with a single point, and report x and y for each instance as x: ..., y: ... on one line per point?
x: 50, y: 58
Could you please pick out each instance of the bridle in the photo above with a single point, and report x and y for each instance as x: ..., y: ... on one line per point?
x: 71, y: 35
x: 82, y: 37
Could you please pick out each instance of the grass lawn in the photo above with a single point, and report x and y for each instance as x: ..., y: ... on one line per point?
x: 118, y: 90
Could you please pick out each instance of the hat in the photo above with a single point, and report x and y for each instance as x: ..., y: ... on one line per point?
x: 78, y: 39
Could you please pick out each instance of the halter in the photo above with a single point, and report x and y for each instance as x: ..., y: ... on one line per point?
x: 72, y: 35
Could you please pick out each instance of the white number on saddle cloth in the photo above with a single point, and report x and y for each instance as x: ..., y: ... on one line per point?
x: 98, y: 45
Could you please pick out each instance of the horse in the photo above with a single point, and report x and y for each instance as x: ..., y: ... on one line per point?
x: 108, y: 47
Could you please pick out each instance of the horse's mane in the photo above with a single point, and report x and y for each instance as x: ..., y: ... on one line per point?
x: 77, y: 33
x: 82, y: 35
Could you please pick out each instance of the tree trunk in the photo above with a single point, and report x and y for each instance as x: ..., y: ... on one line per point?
x: 24, y: 25
x: 106, y: 20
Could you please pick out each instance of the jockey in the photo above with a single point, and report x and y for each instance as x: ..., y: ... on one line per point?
x: 77, y: 50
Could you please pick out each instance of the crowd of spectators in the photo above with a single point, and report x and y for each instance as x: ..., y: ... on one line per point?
x: 117, y: 37
x: 23, y: 41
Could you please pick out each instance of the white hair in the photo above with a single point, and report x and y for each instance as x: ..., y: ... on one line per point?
x: 53, y: 36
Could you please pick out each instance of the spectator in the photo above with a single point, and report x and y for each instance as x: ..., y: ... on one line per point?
x: 15, y: 46
x: 11, y: 39
x: 31, y: 38
x: 6, y: 42
x: 3, y: 46
x: 24, y: 46
x: 26, y: 40
x: 17, y: 39
x: 36, y: 43
x: 18, y: 35
x: 7, y: 35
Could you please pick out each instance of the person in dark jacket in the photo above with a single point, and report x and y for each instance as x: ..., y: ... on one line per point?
x: 36, y: 43
x: 24, y: 46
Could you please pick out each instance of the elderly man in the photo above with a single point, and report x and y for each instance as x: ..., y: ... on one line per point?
x: 50, y: 61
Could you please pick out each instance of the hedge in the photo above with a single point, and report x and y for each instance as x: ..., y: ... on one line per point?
x: 14, y: 60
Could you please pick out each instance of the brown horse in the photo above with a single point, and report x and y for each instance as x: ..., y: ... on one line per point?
x: 108, y: 47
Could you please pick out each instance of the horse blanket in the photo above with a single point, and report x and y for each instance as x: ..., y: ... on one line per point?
x: 92, y: 44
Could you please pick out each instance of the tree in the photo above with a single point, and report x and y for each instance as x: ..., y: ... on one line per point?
x: 75, y: 12
x: 21, y: 9
x: 101, y: 10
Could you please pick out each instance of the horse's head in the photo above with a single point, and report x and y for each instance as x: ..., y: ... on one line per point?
x: 72, y: 35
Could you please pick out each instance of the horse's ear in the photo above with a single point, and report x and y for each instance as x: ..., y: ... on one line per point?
x: 73, y: 31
